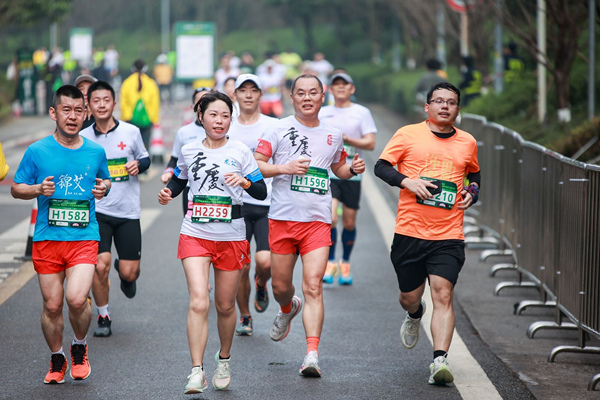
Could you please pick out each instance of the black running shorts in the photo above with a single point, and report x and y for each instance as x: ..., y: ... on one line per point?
x: 347, y: 192
x: 415, y: 259
x: 257, y: 225
x: 127, y: 234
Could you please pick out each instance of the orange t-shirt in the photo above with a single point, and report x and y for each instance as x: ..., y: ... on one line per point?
x: 420, y: 153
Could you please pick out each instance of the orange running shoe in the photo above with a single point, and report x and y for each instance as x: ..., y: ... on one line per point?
x: 80, y: 366
x: 58, y: 369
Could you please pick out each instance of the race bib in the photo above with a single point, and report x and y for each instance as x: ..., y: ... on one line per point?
x: 116, y: 168
x: 351, y: 150
x: 316, y: 180
x: 446, y: 196
x: 69, y: 213
x: 211, y: 209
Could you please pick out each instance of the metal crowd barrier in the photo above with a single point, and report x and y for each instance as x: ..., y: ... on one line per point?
x: 544, y: 210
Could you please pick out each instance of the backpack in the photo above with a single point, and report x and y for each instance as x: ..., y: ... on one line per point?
x: 140, y: 116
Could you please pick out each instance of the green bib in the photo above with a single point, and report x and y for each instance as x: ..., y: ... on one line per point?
x: 316, y: 180
x: 69, y: 213
x: 211, y: 209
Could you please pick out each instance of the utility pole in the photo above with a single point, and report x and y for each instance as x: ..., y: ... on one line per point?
x: 440, y: 49
x: 53, y: 36
x: 498, y: 62
x: 165, y: 26
x: 541, y: 69
x: 592, y: 59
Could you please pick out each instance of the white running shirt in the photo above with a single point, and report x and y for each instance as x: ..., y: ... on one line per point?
x: 304, y: 198
x: 187, y: 134
x: 355, y: 122
x: 123, y: 143
x: 249, y: 135
x: 204, y: 169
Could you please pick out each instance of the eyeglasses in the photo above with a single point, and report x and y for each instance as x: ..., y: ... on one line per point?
x: 450, y: 103
x: 312, y: 94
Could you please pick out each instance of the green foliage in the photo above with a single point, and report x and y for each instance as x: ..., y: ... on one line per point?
x: 7, y: 92
x: 570, y: 144
x: 31, y: 11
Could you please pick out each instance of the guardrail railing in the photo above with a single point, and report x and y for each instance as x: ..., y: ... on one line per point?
x: 544, y: 209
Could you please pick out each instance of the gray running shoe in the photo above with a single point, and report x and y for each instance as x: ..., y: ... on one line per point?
x: 261, y: 298
x: 196, y: 382
x: 245, y: 327
x: 281, y: 325
x: 409, y: 332
x: 103, y: 329
x: 439, y: 372
x: 310, y: 366
x: 222, y: 377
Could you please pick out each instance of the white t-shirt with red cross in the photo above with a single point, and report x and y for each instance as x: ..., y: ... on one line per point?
x: 205, y: 169
x: 123, y: 143
x: 302, y: 198
x: 249, y: 135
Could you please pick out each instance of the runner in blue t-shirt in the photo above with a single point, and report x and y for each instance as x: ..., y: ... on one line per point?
x: 66, y: 173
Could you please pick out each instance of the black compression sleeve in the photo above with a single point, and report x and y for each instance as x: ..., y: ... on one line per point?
x: 144, y: 164
x: 387, y: 173
x: 176, y: 186
x: 475, y: 177
x: 172, y: 162
x: 258, y: 190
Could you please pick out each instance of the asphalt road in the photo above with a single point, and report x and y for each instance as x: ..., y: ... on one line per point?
x: 360, y: 353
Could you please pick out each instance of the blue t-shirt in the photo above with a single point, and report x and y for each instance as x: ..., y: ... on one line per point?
x: 72, y: 205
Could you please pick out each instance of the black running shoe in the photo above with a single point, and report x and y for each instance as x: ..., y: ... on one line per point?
x: 103, y: 329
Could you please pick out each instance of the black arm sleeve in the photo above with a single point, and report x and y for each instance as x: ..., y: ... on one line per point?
x: 172, y: 162
x: 475, y: 177
x: 177, y: 185
x: 144, y: 164
x: 258, y: 190
x: 387, y: 173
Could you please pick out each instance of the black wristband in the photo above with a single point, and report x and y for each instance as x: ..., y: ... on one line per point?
x: 352, y: 171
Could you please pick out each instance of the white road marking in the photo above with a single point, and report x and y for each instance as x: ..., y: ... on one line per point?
x: 470, y: 379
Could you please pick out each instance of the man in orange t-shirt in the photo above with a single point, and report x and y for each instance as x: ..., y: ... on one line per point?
x: 433, y: 158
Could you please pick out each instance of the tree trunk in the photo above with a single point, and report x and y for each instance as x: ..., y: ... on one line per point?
x: 562, y: 83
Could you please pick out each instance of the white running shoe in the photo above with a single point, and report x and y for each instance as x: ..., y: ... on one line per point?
x: 439, y: 371
x: 196, y: 382
x: 310, y: 366
x: 222, y: 377
x: 409, y: 332
x: 281, y: 325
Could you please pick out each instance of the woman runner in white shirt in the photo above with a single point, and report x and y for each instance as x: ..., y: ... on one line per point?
x: 218, y: 169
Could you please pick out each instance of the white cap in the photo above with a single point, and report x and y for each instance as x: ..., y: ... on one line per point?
x: 342, y: 75
x: 245, y: 78
x: 84, y: 78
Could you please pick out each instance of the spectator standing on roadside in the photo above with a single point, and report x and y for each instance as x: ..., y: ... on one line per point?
x: 140, y: 101
x: 163, y: 74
